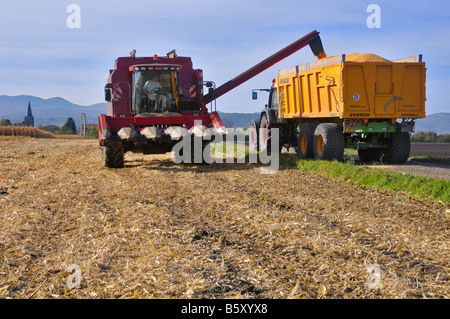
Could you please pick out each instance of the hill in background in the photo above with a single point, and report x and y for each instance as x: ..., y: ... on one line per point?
x: 437, y: 122
x: 55, y: 111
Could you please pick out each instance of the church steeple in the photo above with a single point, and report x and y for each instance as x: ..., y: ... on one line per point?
x: 29, y: 110
x: 29, y: 118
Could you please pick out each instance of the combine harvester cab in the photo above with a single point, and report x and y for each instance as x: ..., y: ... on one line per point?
x: 155, y: 102
x: 359, y: 101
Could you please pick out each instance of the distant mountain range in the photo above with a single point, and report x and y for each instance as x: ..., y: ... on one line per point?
x: 47, y: 111
x: 56, y: 111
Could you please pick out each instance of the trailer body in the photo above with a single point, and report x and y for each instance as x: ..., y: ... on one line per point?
x: 334, y: 88
x: 334, y: 103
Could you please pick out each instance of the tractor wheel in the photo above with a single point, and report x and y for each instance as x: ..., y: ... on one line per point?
x: 370, y: 154
x: 399, y: 147
x: 264, y: 134
x: 113, y: 156
x: 328, y: 142
x: 253, y: 138
x: 305, y: 148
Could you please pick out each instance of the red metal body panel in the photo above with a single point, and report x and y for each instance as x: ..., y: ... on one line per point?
x: 215, y: 119
x: 149, y: 121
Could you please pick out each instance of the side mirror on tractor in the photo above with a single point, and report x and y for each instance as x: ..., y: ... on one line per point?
x: 108, y: 87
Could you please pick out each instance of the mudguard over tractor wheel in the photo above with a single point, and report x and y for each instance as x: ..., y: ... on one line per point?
x: 113, y: 156
x: 329, y: 142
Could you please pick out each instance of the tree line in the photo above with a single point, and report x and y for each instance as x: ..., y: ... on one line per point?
x: 430, y: 137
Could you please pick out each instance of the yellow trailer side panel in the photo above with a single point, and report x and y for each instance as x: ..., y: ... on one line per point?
x: 353, y: 90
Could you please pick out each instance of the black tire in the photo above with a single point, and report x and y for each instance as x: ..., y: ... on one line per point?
x: 370, y: 154
x: 264, y: 135
x: 253, y: 138
x: 305, y: 140
x: 113, y: 156
x: 328, y: 143
x: 399, y: 147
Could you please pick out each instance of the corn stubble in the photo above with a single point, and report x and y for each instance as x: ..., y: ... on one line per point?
x: 159, y: 230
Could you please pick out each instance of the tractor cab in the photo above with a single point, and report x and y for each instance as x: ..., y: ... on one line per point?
x: 154, y: 88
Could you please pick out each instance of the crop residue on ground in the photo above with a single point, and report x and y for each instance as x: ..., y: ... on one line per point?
x: 159, y: 230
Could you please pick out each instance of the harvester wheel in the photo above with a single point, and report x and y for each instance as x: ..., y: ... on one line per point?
x: 399, y: 146
x: 328, y: 142
x: 305, y: 148
x: 370, y: 154
x: 253, y: 138
x: 113, y: 156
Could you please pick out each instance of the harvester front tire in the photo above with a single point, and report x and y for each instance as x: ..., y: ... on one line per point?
x: 305, y: 142
x: 399, y: 147
x: 113, y: 156
x: 329, y: 142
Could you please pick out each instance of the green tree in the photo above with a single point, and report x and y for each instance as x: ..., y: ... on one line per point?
x: 5, y: 122
x: 69, y: 127
x: 49, y: 128
x: 444, y: 138
x: 428, y: 137
x: 92, y: 132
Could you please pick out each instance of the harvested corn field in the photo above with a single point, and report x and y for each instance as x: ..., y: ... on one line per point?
x: 159, y: 230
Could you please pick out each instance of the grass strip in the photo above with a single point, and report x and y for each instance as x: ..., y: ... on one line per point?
x: 421, y: 186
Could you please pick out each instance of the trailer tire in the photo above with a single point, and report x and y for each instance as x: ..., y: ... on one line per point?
x: 113, y: 156
x: 399, y: 147
x: 253, y: 138
x: 370, y: 154
x: 329, y: 142
x: 305, y: 140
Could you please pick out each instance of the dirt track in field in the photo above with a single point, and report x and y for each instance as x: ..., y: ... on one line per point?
x: 423, y: 167
x: 437, y: 150
x: 159, y: 230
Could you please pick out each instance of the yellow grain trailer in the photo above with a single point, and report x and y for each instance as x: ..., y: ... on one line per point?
x: 359, y: 101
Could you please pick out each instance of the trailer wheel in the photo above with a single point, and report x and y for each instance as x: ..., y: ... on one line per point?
x: 329, y: 142
x: 370, y: 154
x: 253, y: 139
x: 113, y: 156
x: 305, y: 147
x: 399, y: 147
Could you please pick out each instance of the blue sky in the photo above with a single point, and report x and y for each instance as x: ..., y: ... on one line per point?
x: 41, y: 56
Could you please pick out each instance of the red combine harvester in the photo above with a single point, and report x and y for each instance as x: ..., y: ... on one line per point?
x: 154, y: 102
